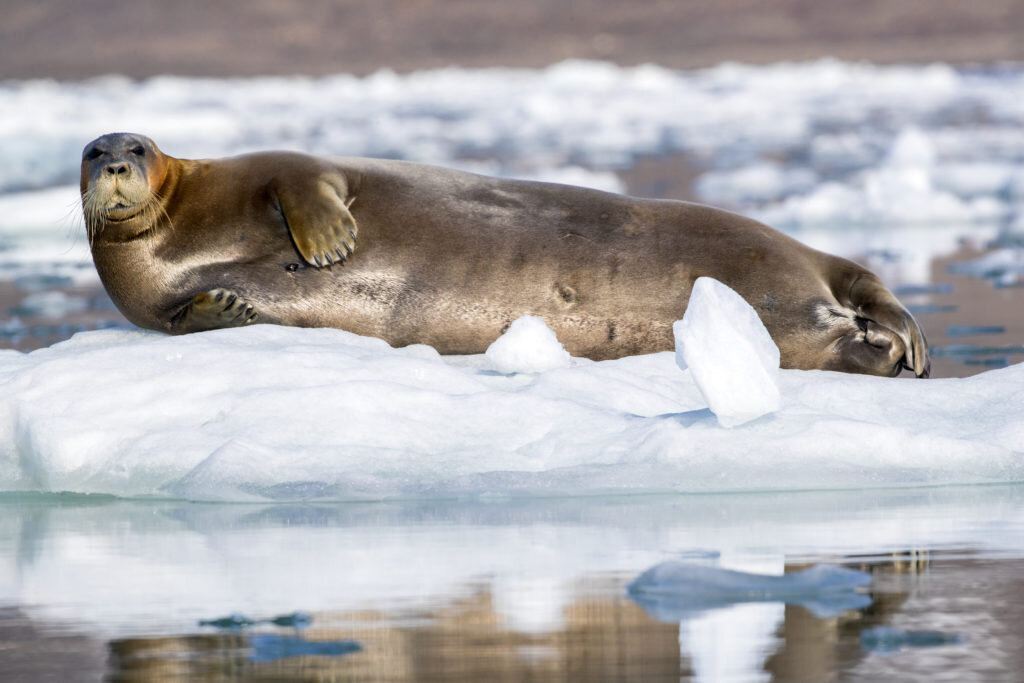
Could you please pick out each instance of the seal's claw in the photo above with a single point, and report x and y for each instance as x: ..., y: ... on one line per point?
x: 319, y: 219
x: 212, y: 310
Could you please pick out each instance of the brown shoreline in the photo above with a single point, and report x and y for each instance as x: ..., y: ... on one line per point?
x: 76, y: 39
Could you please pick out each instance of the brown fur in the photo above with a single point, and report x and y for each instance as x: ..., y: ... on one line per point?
x: 450, y: 259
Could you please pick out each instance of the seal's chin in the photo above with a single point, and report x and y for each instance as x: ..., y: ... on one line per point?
x: 121, y: 212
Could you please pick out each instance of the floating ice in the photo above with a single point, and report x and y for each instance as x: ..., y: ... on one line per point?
x: 277, y: 413
x: 730, y: 354
x: 823, y: 143
x: 40, y: 282
x: 50, y: 305
x: 901, y: 189
x: 758, y: 182
x: 528, y: 346
x: 1003, y: 266
x: 672, y: 589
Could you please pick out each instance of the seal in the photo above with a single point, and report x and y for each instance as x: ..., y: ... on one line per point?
x: 413, y: 253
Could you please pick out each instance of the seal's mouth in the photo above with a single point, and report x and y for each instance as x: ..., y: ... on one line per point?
x: 104, y: 207
x: 121, y: 212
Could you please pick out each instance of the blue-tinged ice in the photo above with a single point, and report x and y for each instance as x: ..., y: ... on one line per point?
x: 672, y: 590
x: 729, y: 353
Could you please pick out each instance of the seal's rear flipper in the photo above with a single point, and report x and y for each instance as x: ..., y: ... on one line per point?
x: 319, y: 219
x: 213, y: 310
x: 874, y: 303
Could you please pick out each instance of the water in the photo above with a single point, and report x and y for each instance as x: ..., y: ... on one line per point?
x: 443, y: 590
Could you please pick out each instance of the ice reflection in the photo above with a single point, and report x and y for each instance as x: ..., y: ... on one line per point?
x: 521, y: 589
x: 674, y: 591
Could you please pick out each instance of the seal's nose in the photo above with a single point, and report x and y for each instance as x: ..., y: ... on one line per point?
x: 117, y: 169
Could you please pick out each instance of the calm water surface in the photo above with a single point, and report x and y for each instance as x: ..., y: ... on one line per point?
x: 513, y: 590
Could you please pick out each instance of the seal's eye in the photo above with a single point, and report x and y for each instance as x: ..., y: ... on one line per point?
x: 139, y: 151
x: 94, y: 153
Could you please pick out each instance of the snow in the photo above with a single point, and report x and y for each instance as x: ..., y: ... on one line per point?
x: 528, y: 346
x: 732, y: 358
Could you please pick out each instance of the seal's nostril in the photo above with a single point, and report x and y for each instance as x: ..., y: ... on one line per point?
x: 117, y: 169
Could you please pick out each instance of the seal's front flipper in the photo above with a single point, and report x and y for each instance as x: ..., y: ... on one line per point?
x: 213, y: 310
x: 318, y: 217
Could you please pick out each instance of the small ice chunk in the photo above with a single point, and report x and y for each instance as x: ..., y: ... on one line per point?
x: 912, y: 148
x: 528, y: 345
x: 50, y: 305
x: 730, y: 355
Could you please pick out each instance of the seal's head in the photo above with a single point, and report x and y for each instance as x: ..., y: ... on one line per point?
x: 122, y: 174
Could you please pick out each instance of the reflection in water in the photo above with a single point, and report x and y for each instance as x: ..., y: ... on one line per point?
x: 673, y: 591
x: 269, y: 647
x: 520, y: 590
x: 604, y: 636
x: 298, y: 620
x: 889, y: 639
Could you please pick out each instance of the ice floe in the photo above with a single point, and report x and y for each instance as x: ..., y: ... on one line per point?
x: 274, y: 413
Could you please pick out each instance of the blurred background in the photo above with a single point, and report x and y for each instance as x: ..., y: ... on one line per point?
x: 889, y: 133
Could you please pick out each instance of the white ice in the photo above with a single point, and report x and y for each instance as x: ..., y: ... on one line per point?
x: 528, y: 346
x: 729, y: 353
x: 906, y: 187
x: 280, y: 413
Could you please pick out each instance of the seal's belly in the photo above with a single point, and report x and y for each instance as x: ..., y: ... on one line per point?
x: 601, y: 307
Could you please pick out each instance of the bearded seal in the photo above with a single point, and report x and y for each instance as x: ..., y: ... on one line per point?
x: 413, y: 253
